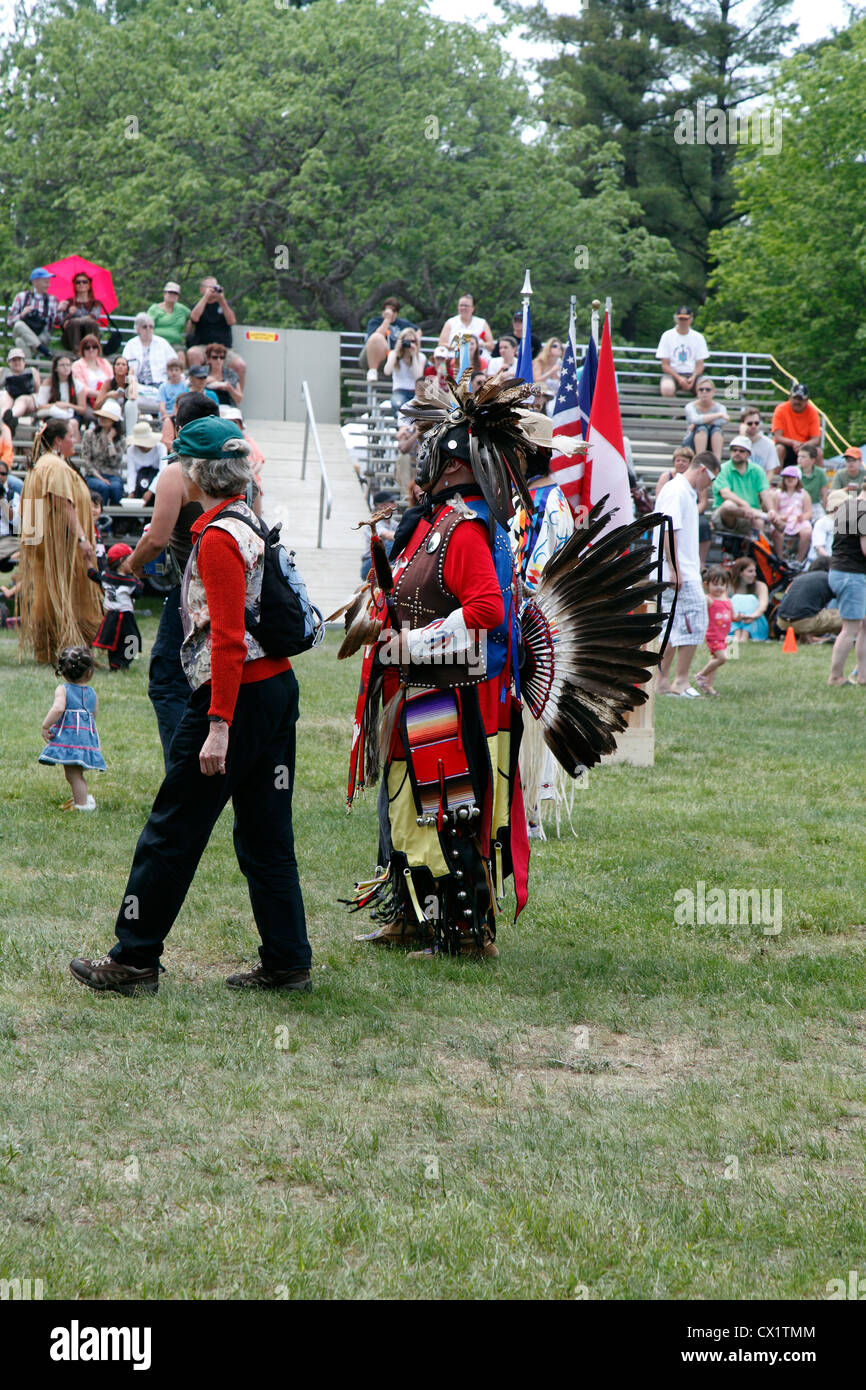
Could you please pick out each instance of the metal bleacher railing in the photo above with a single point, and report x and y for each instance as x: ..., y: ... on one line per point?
x: 653, y: 424
x: 325, y: 498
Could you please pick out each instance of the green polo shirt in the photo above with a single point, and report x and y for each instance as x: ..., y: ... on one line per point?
x: 170, y: 326
x: 748, y: 485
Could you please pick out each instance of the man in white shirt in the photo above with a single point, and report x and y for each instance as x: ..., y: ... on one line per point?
x: 682, y: 352
x: 763, y: 449
x: 678, y: 499
x: 149, y: 355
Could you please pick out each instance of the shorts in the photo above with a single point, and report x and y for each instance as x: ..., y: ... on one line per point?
x: 850, y: 590
x: 690, y: 619
x: 742, y: 525
x: 714, y: 428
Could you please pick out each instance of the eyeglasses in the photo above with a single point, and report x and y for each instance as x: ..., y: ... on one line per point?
x: 91, y: 347
x: 4, y: 473
x: 213, y: 355
x: 702, y: 389
x: 751, y: 422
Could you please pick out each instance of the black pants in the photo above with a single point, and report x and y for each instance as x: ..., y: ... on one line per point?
x: 259, y: 779
x: 167, y: 685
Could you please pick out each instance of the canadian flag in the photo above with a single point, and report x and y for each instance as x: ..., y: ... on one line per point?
x: 605, y: 471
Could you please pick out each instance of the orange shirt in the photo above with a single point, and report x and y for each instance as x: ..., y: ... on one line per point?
x: 6, y: 452
x: 802, y: 426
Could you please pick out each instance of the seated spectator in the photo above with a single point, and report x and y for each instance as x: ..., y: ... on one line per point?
x: 704, y: 416
x: 547, y: 366
x: 405, y: 363
x: 381, y: 334
x: 197, y: 374
x: 33, y: 314
x: 850, y: 475
x: 170, y: 319
x: 149, y: 356
x: 440, y: 365
x: 814, y: 479
x: 790, y: 516
x: 89, y: 372
x: 682, y: 457
x: 384, y: 529
x: 682, y: 352
x: 506, y: 363
x: 795, y: 422
x: 465, y: 321
x: 145, y: 457
x: 81, y: 317
x: 19, y: 386
x: 750, y: 599
x: 763, y: 449
x: 516, y: 331
x: 809, y: 605
x: 7, y: 452
x: 56, y: 400
x: 211, y: 318
x: 168, y: 394
x: 847, y: 576
x: 122, y: 387
x: 222, y: 379
x: 741, y: 492
x: 102, y: 453
x: 822, y: 531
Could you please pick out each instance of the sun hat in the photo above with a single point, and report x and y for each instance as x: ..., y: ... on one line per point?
x: 143, y: 436
x: 790, y: 471
x: 741, y: 442
x: 109, y: 410
x: 171, y: 287
x: 441, y: 351
x: 40, y: 273
x: 835, y: 499
x: 209, y: 437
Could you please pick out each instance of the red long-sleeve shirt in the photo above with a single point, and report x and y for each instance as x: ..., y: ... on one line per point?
x: 221, y: 567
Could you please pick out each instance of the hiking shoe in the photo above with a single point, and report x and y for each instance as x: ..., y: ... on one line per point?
x: 260, y: 978
x: 109, y: 974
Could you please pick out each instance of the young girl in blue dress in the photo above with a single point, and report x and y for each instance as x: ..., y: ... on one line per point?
x: 69, y: 727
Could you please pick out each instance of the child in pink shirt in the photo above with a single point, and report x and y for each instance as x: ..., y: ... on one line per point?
x: 717, y: 587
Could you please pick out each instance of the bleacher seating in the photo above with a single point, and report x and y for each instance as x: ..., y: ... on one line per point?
x: 654, y: 425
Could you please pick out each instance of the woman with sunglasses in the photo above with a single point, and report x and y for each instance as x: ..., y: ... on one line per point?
x: 704, y: 416
x: 222, y: 380
x: 89, y: 371
x: 81, y: 315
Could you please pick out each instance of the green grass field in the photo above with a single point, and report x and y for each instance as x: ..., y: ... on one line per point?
x: 620, y: 1107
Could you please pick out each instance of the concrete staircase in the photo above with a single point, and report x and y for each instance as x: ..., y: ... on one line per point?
x: 332, y: 573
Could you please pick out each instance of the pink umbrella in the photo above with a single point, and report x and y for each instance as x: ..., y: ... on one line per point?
x: 65, y: 271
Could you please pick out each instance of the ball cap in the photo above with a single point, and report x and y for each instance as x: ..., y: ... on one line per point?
x: 853, y: 453
x: 741, y: 442
x: 118, y: 552
x: 171, y: 287
x: 209, y: 438
x: 40, y: 273
x: 790, y: 471
x: 683, y: 309
x: 799, y: 390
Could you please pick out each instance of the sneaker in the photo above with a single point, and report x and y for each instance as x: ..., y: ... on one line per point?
x: 89, y: 805
x: 108, y: 974
x: 260, y: 978
x: 372, y: 374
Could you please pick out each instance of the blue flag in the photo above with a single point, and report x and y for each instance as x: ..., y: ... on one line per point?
x: 523, y: 367
x: 586, y: 386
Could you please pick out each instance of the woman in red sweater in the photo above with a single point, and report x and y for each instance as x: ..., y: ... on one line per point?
x: 236, y: 741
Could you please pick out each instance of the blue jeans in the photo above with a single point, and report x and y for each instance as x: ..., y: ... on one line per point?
x: 167, y: 686
x: 188, y: 806
x: 110, y: 491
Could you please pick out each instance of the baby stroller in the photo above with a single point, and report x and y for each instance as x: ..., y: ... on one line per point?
x: 775, y: 572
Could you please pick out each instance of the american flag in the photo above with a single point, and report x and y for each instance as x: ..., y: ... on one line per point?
x: 569, y: 421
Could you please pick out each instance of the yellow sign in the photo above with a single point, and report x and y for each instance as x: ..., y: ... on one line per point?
x: 263, y: 337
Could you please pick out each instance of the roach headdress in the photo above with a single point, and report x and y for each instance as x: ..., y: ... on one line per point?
x: 491, y: 430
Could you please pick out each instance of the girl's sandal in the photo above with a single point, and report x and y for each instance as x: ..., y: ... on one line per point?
x: 701, y: 683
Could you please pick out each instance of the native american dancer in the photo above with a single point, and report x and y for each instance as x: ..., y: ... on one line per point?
x: 448, y: 650
x: 536, y: 535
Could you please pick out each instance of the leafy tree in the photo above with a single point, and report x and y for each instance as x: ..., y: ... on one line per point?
x: 317, y: 158
x: 792, y: 267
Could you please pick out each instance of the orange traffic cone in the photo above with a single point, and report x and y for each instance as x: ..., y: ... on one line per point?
x: 790, y: 642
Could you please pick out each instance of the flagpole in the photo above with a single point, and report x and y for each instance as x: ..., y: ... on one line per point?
x: 608, y: 312
x: 596, y: 305
x: 572, y: 319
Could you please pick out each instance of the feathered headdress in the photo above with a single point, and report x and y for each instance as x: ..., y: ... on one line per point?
x: 491, y: 430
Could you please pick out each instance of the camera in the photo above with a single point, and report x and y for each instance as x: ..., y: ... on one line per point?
x: 217, y: 289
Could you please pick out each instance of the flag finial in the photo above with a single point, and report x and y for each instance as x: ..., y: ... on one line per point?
x: 527, y: 285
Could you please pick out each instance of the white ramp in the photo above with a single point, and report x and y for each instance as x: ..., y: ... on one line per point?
x: 332, y: 573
